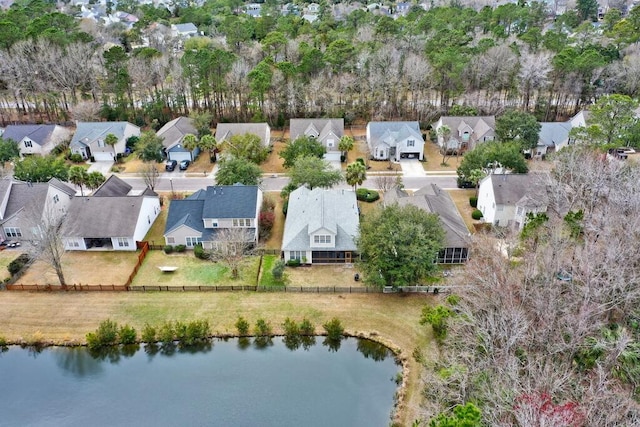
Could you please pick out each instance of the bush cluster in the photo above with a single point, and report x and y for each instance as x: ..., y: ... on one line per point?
x: 262, y: 328
x: 476, y: 214
x: 473, y: 201
x: 242, y: 326
x: 180, y: 248
x: 76, y: 158
x: 199, y: 252
x: 168, y: 249
x: 366, y: 195
x: 293, y: 263
x: 187, y: 334
x: 334, y: 329
x: 105, y: 335
x: 17, y: 264
x: 278, y: 269
x: 3, y: 342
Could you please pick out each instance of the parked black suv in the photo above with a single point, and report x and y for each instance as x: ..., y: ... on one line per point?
x: 171, y: 165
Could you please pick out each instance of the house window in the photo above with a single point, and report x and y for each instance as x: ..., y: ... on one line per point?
x: 56, y: 199
x: 28, y: 144
x: 500, y: 208
x: 12, y: 232
x: 101, y: 143
x: 74, y: 243
x: 123, y: 242
x: 321, y: 238
x: 520, y: 210
x: 297, y: 255
x: 242, y: 222
x: 171, y: 240
x: 411, y: 143
x: 330, y: 143
x: 214, y: 223
x: 192, y: 241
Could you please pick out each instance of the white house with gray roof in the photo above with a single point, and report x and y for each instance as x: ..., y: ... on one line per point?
x: 199, y: 218
x: 172, y: 134
x: 113, y: 218
x: 435, y: 200
x: 465, y: 131
x: 89, y: 139
x: 506, y: 199
x: 321, y: 226
x: 326, y: 131
x: 36, y: 139
x: 184, y: 31
x: 395, y: 140
x: 25, y: 205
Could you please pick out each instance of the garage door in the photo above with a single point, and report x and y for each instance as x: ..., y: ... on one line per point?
x: 179, y: 155
x: 103, y: 157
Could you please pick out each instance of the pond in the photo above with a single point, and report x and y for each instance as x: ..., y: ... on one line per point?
x: 234, y: 382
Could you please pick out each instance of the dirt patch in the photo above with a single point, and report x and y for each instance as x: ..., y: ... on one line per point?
x: 275, y: 240
x: 274, y: 162
x: 87, y: 268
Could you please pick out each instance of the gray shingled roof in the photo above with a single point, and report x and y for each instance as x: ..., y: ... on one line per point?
x: 103, y: 217
x: 310, y: 210
x: 298, y: 127
x: 553, y: 133
x: 173, y: 132
x: 88, y: 132
x: 185, y: 212
x: 112, y: 187
x: 29, y: 195
x: 510, y: 188
x: 224, y: 131
x: 217, y: 202
x: 39, y: 134
x: 230, y: 201
x: 435, y: 200
x: 391, y: 132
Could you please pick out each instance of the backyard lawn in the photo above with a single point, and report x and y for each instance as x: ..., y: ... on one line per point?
x: 192, y: 271
x: 87, y: 268
x: 461, y: 199
x: 155, y: 235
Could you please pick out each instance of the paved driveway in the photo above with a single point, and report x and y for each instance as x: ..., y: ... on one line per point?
x: 412, y: 168
x: 103, y: 167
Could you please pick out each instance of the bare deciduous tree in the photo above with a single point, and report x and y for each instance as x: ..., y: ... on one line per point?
x: 150, y: 175
x: 231, y: 247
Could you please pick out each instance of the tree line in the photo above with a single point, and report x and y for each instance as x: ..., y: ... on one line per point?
x: 363, y: 66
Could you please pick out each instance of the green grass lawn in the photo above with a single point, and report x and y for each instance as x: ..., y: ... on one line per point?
x: 155, y: 235
x: 266, y: 278
x: 193, y: 271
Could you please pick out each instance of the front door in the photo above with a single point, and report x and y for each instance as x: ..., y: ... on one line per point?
x: 347, y: 257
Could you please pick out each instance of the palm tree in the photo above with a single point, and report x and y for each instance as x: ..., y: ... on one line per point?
x: 345, y: 145
x: 190, y: 142
x: 94, y: 180
x: 111, y: 140
x: 356, y: 174
x: 209, y: 143
x: 78, y: 176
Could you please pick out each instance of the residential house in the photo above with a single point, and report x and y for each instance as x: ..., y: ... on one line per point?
x: 36, y: 139
x: 24, y: 206
x: 201, y: 217
x: 326, y: 131
x: 321, y: 226
x: 506, y: 199
x: 224, y: 131
x: 172, y: 135
x: 184, y: 31
x: 254, y: 10
x: 89, y: 139
x: 311, y: 13
x: 113, y: 218
x: 553, y: 137
x: 435, y: 200
x: 395, y: 140
x: 466, y: 131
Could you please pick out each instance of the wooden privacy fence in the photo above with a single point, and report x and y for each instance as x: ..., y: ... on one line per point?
x: 141, y: 256
x: 74, y: 287
x: 296, y: 289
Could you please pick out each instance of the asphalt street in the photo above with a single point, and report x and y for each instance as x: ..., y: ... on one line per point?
x: 271, y: 183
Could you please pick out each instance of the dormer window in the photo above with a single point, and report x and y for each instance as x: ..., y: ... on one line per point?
x: 322, y: 238
x: 28, y: 144
x: 411, y: 143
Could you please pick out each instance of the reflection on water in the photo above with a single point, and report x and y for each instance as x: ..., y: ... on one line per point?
x: 166, y: 384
